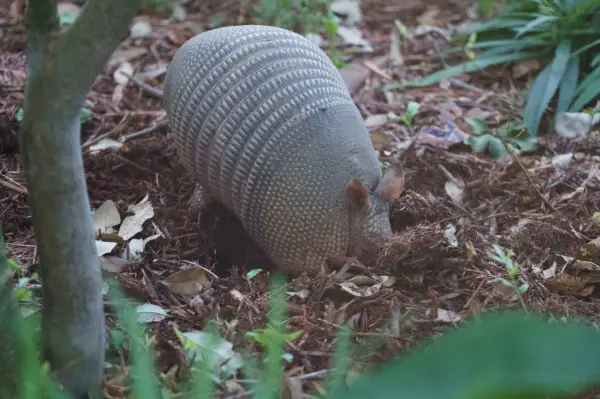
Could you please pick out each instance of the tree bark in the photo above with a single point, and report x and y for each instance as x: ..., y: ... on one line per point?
x: 61, y: 69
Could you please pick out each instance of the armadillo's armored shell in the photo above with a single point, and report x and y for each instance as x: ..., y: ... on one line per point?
x: 263, y: 120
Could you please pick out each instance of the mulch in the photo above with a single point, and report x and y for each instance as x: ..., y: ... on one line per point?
x: 499, y: 204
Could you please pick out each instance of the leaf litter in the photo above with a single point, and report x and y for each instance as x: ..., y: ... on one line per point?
x: 424, y: 261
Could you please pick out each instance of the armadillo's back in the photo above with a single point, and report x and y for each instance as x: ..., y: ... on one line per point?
x: 263, y: 120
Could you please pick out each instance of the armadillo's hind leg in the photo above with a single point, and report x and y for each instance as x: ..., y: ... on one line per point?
x: 199, y: 199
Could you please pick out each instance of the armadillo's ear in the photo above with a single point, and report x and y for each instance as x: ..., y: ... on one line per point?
x: 358, y: 195
x: 392, y: 184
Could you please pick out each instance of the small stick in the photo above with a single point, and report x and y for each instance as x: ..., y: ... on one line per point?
x: 537, y: 191
x: 153, y: 91
x: 147, y: 130
x: 14, y: 186
x: 116, y: 129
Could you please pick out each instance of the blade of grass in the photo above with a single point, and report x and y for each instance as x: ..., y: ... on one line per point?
x: 469, y: 66
x: 335, y: 381
x: 588, y: 94
x: 534, y: 24
x: 544, y: 87
x: 144, y: 382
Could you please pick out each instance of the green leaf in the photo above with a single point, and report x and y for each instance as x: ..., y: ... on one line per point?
x: 499, y: 23
x: 568, y: 84
x: 331, y: 27
x: 589, y: 79
x: 478, y: 143
x: 588, y: 94
x: 252, y: 273
x: 469, y: 66
x: 587, y: 47
x: 479, y: 126
x: 544, y: 87
x: 510, y: 43
x: 496, y: 148
x: 535, y: 23
x: 506, y: 355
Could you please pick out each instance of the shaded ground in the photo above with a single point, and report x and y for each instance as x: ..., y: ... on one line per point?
x: 433, y: 279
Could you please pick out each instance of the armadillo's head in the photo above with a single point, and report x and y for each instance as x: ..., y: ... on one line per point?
x: 369, y: 216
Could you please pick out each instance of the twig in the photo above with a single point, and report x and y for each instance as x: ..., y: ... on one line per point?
x: 201, y: 267
x: 147, y: 130
x: 93, y: 140
x: 537, y: 191
x: 153, y: 91
x: 315, y: 374
x: 14, y: 186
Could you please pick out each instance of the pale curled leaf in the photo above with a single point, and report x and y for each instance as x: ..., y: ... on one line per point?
x: 188, y: 281
x: 103, y: 247
x: 350, y: 9
x: 447, y: 316
x: 364, y: 291
x: 302, y: 294
x: 132, y: 225
x: 148, y: 313
x: 217, y: 352
x: 140, y: 29
x: 106, y: 217
x: 136, y: 246
x: 450, y: 235
x: 122, y: 73
x: 455, y: 191
x: 573, y: 124
x: 114, y: 264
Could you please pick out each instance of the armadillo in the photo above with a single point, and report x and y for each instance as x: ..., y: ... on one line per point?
x: 263, y: 121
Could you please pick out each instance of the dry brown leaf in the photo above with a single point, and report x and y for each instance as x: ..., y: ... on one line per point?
x: 380, y: 140
x: 188, y: 281
x: 567, y: 285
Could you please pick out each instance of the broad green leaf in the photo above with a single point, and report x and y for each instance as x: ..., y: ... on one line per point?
x: 470, y: 66
x: 478, y: 143
x: 595, y: 61
x: 506, y: 355
x: 568, y: 84
x: 544, y: 87
x: 535, y: 23
x: 479, y: 126
x: 496, y: 148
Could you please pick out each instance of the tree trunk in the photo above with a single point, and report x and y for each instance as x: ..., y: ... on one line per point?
x: 61, y: 70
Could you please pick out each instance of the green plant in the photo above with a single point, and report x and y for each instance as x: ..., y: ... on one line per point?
x: 412, y: 109
x: 503, y: 355
x: 565, y: 34
x: 303, y: 15
x: 512, y: 269
x: 159, y: 5
x: 512, y: 132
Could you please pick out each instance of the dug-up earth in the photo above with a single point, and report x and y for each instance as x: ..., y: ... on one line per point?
x: 456, y: 204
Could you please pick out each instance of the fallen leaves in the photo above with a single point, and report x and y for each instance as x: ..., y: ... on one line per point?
x: 188, y: 281
x: 106, y: 218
